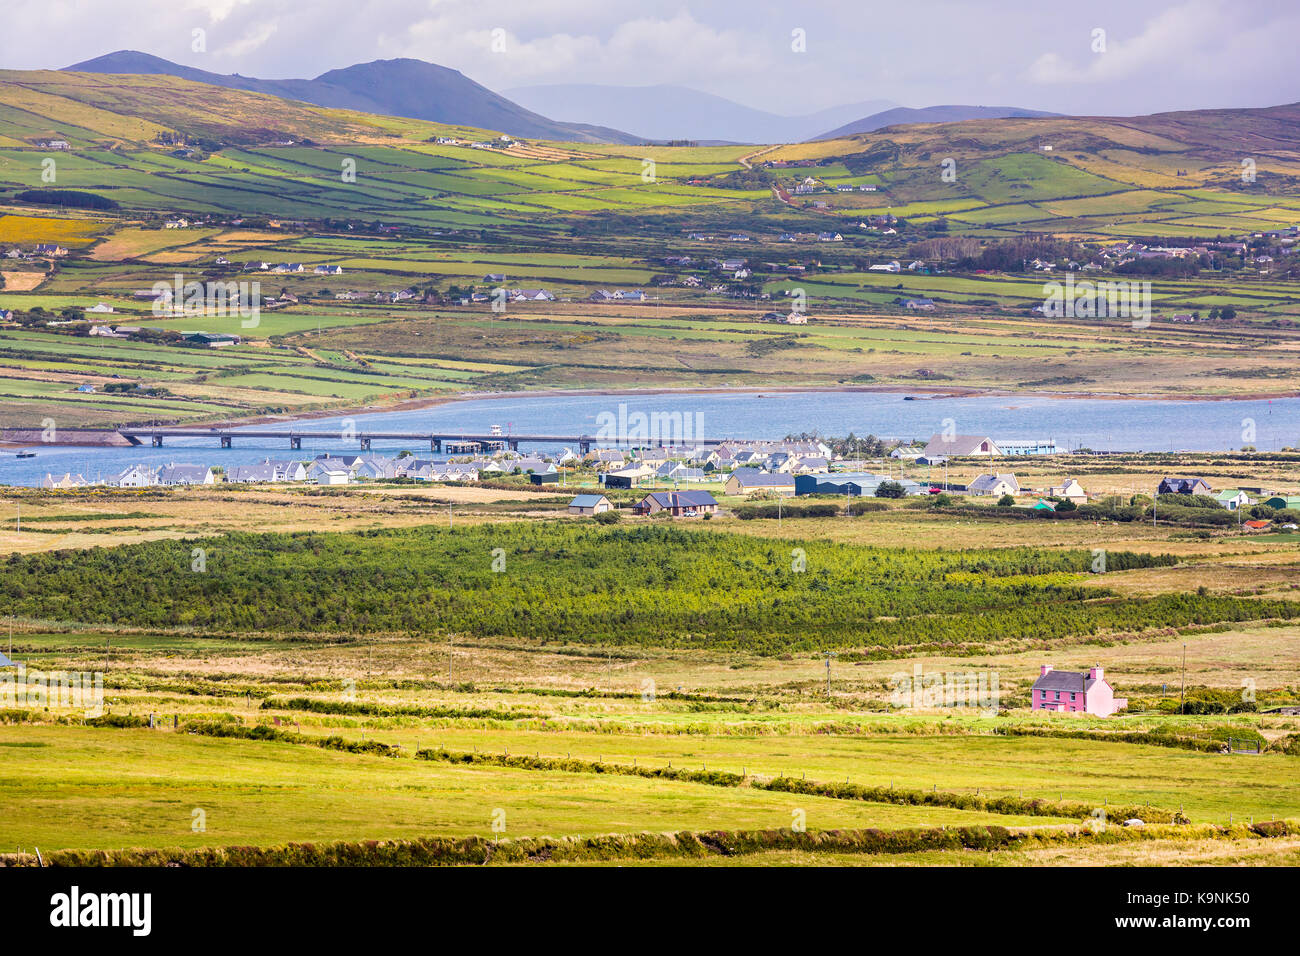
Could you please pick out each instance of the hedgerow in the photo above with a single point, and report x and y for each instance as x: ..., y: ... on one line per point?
x: 685, y: 845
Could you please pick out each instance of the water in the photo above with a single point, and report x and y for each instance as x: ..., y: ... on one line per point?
x: 1103, y: 424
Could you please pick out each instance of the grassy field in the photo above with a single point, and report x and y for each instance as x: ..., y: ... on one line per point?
x: 353, y: 706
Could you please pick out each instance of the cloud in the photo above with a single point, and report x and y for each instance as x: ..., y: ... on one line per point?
x: 1180, y: 42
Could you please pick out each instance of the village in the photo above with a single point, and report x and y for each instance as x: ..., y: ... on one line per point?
x: 683, y: 481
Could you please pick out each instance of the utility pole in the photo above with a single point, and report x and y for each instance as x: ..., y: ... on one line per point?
x: 829, y: 655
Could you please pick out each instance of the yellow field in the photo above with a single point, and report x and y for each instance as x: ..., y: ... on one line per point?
x: 31, y: 229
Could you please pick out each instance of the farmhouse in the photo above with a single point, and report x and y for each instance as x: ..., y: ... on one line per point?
x: 68, y: 480
x: 994, y: 485
x: 960, y: 446
x: 747, y: 481
x: 589, y: 505
x: 1183, y: 486
x: 1073, y: 692
x: 1232, y: 498
x: 1071, y: 490
x: 50, y: 249
x: 677, y: 503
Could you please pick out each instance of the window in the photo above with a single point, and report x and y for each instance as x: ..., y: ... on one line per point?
x: 1058, y: 695
x: 1071, y: 696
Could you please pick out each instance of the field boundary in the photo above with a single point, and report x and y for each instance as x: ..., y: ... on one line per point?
x: 683, y: 845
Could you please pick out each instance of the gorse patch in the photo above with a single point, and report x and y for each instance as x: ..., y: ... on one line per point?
x: 646, y: 585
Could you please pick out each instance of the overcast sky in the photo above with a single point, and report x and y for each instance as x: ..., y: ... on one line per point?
x: 1154, y: 54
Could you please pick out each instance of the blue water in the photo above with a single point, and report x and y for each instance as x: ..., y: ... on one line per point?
x: 1103, y: 424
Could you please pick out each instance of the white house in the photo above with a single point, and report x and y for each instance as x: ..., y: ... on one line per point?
x: 174, y: 474
x: 137, y: 476
x: 1071, y: 490
x: 998, y: 485
x: 68, y: 480
x: 1232, y: 498
x: 330, y: 474
x: 589, y: 505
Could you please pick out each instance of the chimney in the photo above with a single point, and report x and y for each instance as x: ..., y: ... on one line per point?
x: 1044, y: 669
x: 1096, y: 673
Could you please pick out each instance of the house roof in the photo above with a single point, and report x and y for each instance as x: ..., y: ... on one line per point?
x: 959, y: 445
x: 762, y: 479
x: 1071, y: 681
x: 992, y: 481
x: 587, y: 501
x: 682, y: 499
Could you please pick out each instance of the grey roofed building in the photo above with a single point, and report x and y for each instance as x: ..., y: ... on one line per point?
x: 994, y: 484
x: 535, y: 465
x: 957, y: 446
x: 677, y: 501
x: 753, y: 478
x: 861, y: 483
x: 252, y: 473
x: 1183, y: 486
x: 185, y: 475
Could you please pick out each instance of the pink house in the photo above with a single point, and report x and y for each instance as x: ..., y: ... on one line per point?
x: 1072, y: 692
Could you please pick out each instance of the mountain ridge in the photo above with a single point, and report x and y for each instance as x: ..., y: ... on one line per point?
x: 408, y: 88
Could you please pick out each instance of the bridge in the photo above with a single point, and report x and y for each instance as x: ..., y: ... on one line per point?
x: 452, y: 443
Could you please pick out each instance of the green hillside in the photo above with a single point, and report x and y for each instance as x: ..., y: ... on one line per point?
x: 263, y: 156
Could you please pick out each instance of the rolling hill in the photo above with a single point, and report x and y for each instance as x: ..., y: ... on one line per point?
x: 409, y: 88
x: 901, y: 115
x: 1171, y: 174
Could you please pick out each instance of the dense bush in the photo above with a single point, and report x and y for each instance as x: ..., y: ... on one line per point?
x: 579, y: 582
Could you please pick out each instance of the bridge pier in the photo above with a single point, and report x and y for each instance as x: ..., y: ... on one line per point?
x: 294, y: 443
x: 435, y: 445
x: 512, y: 444
x: 365, y: 444
x: 584, y: 447
x: 225, y: 441
x: 157, y: 441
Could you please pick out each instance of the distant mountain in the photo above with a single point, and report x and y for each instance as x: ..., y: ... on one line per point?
x: 410, y: 88
x: 928, y: 114
x: 678, y: 112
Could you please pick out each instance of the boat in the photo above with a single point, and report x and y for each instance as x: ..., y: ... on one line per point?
x: 25, y: 454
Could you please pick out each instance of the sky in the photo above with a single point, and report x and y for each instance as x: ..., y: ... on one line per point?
x: 1109, y: 57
